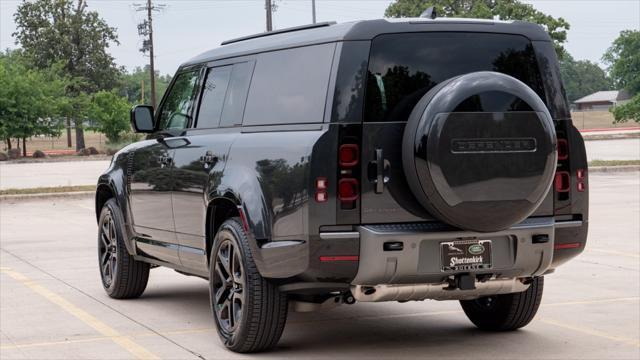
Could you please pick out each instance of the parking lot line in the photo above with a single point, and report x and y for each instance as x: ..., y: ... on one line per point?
x: 135, y: 349
x: 592, y: 332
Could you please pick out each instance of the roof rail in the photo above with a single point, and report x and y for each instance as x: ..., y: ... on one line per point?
x: 281, y: 31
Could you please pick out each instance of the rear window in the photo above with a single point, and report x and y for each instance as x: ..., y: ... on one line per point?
x: 403, y: 67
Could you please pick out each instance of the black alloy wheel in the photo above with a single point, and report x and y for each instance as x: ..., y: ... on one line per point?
x: 123, y: 277
x: 250, y: 312
x: 108, y: 249
x: 228, y: 286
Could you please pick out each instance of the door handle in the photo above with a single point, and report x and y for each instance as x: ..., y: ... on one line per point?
x: 379, y: 166
x: 164, y: 160
x: 208, y: 159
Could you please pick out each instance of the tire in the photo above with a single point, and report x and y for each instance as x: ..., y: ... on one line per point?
x: 250, y: 312
x: 505, y: 312
x: 122, y: 276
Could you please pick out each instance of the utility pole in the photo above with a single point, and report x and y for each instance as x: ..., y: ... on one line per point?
x: 313, y: 10
x: 269, y: 8
x: 145, y: 29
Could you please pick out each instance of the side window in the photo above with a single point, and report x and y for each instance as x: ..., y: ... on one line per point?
x: 175, y: 113
x: 213, y: 95
x: 290, y: 86
x: 237, y: 94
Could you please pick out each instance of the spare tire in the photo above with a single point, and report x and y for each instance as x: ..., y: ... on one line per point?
x: 479, y: 151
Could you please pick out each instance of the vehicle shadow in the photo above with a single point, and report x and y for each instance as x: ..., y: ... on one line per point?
x: 387, y: 330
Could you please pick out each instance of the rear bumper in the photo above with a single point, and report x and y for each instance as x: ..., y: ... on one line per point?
x: 515, y: 254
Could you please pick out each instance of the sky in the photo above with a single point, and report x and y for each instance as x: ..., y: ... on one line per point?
x: 185, y: 28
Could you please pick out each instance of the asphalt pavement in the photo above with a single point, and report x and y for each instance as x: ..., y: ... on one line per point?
x: 52, y: 305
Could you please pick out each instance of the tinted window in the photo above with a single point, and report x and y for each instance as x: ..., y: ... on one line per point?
x: 237, y: 94
x: 290, y: 86
x: 213, y: 94
x: 403, y: 67
x: 176, y: 108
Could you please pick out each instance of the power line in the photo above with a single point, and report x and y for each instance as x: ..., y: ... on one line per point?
x: 145, y: 29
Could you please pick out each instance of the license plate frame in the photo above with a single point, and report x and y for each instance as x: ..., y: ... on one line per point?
x: 464, y: 255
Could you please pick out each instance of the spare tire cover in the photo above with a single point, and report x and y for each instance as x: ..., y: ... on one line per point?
x: 485, y: 167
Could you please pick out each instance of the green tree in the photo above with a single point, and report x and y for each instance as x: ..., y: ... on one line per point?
x: 111, y: 112
x: 50, y: 31
x: 627, y: 111
x: 485, y: 9
x: 131, y: 85
x: 30, y: 99
x: 623, y: 58
x: 583, y: 77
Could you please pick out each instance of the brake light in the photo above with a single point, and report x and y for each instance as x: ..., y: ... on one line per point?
x: 348, y: 155
x: 563, y: 149
x: 348, y: 189
x: 562, y: 181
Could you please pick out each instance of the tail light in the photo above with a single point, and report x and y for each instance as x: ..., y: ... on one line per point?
x: 563, y: 149
x: 562, y: 181
x: 348, y: 155
x: 581, y: 176
x: 348, y: 189
x: 321, y: 189
x: 348, y: 186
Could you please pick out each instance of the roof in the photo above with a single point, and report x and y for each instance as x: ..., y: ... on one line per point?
x: 602, y: 96
x: 366, y: 30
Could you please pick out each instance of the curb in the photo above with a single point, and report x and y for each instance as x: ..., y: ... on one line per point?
x: 42, y: 196
x: 596, y: 137
x: 614, y: 169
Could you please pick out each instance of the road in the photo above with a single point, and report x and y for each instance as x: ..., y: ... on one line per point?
x: 619, y: 149
x: 52, y: 304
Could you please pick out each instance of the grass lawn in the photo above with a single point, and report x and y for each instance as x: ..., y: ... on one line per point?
x: 48, y: 190
x: 613, y: 162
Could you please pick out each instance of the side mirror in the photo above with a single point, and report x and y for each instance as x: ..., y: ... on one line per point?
x: 142, y: 119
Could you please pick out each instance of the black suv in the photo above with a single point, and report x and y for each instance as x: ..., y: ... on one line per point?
x: 368, y: 161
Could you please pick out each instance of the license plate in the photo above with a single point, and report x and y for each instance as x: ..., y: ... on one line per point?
x: 466, y: 255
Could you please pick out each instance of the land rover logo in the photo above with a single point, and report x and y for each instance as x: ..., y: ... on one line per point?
x: 476, y: 249
x: 488, y: 145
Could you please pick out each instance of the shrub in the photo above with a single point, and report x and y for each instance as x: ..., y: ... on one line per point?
x: 15, y: 153
x: 38, y: 154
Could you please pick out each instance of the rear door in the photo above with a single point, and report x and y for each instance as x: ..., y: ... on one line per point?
x: 404, y: 67
x: 199, y: 164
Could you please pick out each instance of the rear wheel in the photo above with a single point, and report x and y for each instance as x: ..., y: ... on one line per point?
x: 122, y: 276
x: 505, y: 312
x: 249, y: 311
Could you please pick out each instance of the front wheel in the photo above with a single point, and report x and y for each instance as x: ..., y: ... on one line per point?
x: 249, y: 311
x: 505, y: 312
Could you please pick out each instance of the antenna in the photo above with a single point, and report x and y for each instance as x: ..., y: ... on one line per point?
x: 430, y: 13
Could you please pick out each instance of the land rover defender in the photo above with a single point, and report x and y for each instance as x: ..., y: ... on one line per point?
x: 381, y: 160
